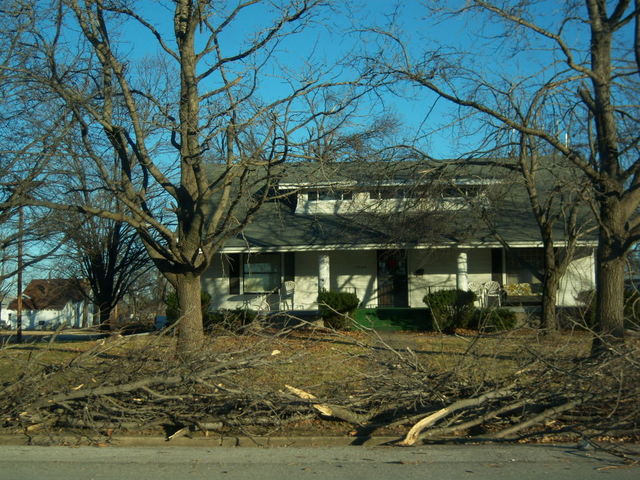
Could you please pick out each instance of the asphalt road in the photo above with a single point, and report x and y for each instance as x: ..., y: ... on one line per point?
x: 371, y: 463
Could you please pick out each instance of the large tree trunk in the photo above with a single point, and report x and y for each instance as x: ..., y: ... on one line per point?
x: 549, y: 322
x: 609, y: 296
x: 190, y: 327
x: 190, y: 218
x: 104, y: 310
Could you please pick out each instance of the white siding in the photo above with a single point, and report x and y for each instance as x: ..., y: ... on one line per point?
x: 305, y: 296
x: 70, y: 315
x: 351, y: 271
x: 580, y: 277
x: 355, y: 272
x: 362, y: 202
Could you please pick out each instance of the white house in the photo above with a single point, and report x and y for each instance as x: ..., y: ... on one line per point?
x: 390, y: 238
x: 50, y: 303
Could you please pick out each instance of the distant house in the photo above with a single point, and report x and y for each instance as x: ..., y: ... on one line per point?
x: 390, y: 235
x: 50, y: 303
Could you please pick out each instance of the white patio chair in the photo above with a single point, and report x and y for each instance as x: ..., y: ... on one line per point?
x: 480, y: 291
x: 286, y: 294
x: 258, y: 303
x: 493, y: 290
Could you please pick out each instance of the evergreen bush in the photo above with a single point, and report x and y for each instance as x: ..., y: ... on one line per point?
x: 337, y: 308
x: 450, y: 309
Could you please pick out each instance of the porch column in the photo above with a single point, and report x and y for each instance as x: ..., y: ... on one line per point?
x: 323, y: 272
x: 462, y: 282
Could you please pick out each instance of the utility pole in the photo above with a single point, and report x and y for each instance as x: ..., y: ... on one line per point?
x: 2, y: 294
x: 20, y: 265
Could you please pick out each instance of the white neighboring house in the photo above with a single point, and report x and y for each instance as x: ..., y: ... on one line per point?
x: 387, y: 238
x: 50, y: 303
x: 5, y: 314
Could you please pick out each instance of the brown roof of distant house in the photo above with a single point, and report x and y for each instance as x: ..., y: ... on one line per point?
x: 49, y: 294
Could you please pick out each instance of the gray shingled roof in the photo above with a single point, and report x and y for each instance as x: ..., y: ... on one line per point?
x: 278, y: 227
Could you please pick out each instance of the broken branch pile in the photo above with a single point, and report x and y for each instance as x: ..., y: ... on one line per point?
x: 113, y: 388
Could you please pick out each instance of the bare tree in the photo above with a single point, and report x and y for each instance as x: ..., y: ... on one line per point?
x: 590, y: 79
x: 559, y: 204
x: 193, y: 122
x: 107, y: 257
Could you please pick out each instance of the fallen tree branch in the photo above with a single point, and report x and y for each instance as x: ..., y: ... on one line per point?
x: 223, y: 391
x: 460, y: 427
x: 327, y: 410
x: 109, y: 390
x: 414, y: 433
x: 541, y: 417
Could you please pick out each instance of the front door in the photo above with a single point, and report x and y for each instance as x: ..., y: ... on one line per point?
x: 393, y: 288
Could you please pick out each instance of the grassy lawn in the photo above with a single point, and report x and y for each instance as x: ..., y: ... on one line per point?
x: 316, y: 360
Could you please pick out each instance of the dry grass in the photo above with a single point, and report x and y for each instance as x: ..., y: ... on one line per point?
x: 311, y: 359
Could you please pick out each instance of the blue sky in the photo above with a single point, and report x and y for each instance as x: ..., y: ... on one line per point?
x: 334, y: 34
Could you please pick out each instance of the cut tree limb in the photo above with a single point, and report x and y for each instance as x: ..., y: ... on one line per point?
x: 334, y: 411
x: 414, y: 433
x: 460, y: 427
x: 109, y: 390
x: 545, y: 415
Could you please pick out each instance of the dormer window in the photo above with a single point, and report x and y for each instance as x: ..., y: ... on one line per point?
x: 329, y: 194
x: 386, y: 193
x: 460, y: 191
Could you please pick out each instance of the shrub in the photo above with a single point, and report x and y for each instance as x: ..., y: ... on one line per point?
x: 450, y: 309
x: 493, y: 319
x: 337, y: 308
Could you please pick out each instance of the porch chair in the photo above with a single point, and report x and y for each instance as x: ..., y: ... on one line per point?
x: 258, y: 303
x: 480, y: 291
x: 286, y: 294
x: 493, y: 290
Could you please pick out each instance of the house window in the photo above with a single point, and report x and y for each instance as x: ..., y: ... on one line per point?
x: 329, y: 194
x: 523, y: 264
x: 388, y: 194
x: 392, y: 194
x: 261, y: 273
x: 461, y: 191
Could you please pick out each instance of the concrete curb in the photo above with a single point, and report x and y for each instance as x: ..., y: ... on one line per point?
x: 197, y: 441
